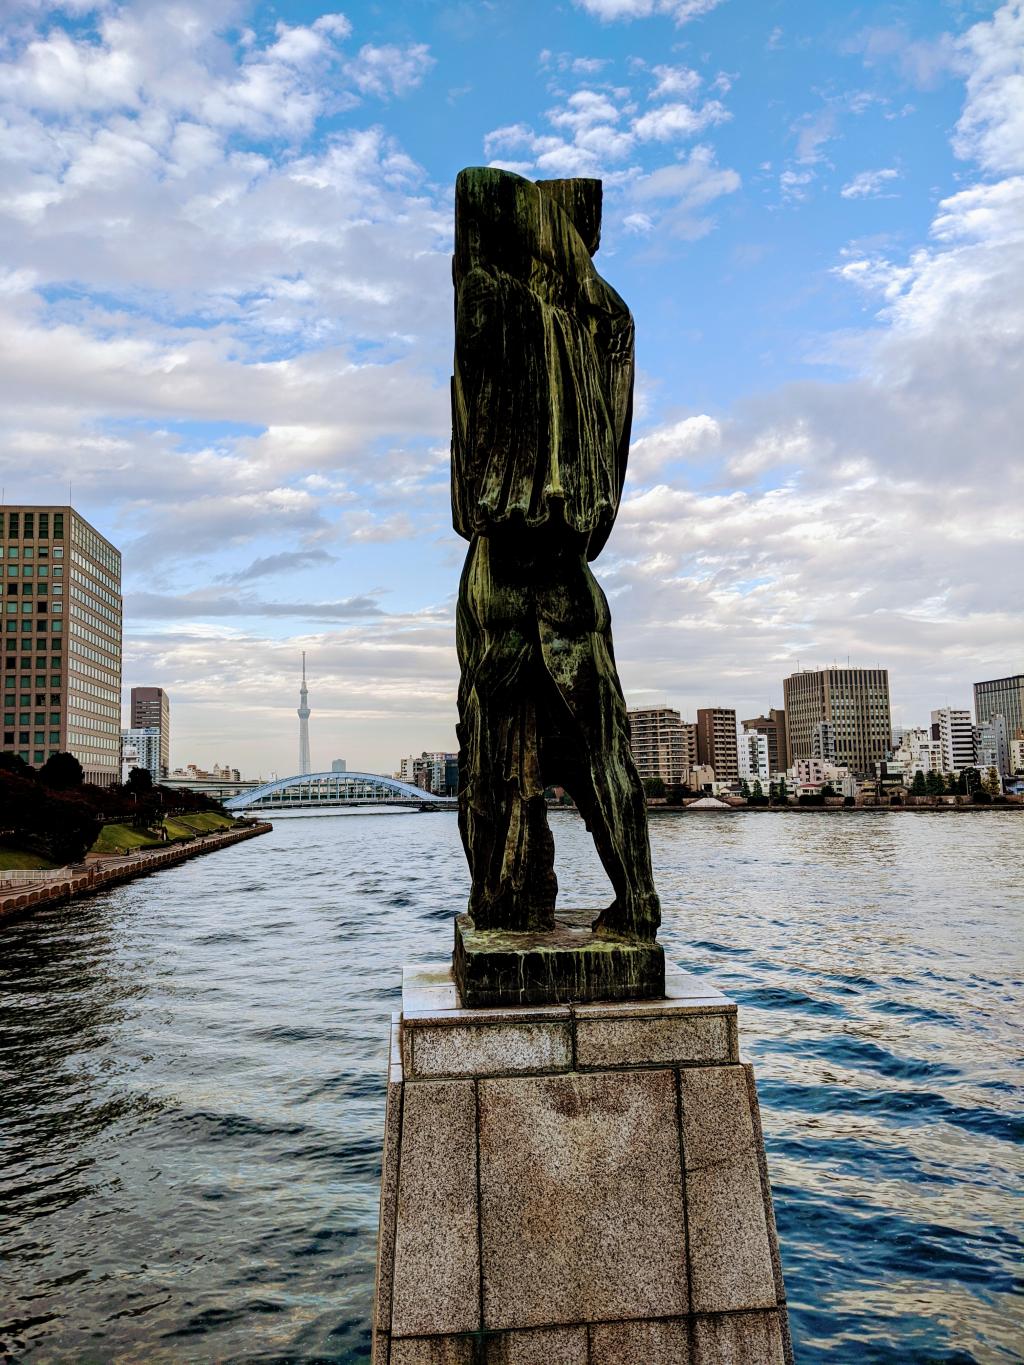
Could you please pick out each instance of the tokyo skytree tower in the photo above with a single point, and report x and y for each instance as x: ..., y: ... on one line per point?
x: 303, y: 714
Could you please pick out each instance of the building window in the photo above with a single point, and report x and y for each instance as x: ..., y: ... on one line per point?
x: 23, y: 738
x: 29, y: 522
x: 58, y: 526
x: 12, y: 526
x: 44, y: 525
x: 8, y: 736
x: 54, y: 737
x: 28, y: 571
x: 39, y: 756
x: 13, y: 552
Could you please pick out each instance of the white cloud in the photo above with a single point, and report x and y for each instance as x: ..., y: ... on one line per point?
x: 671, y: 121
x: 681, y: 11
x: 869, y: 184
x: 991, y: 127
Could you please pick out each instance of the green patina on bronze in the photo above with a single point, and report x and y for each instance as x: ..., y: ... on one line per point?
x: 542, y: 400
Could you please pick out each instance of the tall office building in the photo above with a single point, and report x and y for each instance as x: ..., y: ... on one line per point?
x: 773, y: 727
x: 62, y: 640
x: 992, y: 746
x: 853, y: 701
x: 152, y: 710
x: 716, y: 742
x: 953, y: 730
x: 1001, y: 697
x: 663, y: 744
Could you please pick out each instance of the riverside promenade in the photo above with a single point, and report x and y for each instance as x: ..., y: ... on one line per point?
x: 86, y: 879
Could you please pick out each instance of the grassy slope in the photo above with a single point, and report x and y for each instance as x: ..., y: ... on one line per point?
x: 119, y: 838
x: 13, y: 859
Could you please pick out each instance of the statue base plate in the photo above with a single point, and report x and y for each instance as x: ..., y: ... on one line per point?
x: 569, y: 963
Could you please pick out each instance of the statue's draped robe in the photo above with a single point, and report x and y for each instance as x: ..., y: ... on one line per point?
x: 542, y: 404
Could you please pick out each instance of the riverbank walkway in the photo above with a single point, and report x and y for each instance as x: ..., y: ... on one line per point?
x: 85, y: 879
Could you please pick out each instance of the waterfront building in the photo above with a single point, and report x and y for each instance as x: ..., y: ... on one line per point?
x: 145, y: 742
x: 303, y: 714
x: 62, y: 640
x: 917, y: 752
x: 823, y: 741
x: 716, y: 742
x: 193, y: 773
x: 773, y: 727
x: 754, y: 760
x: 662, y: 743
x: 1017, y: 753
x: 338, y: 765
x: 150, y: 706
x: 1001, y: 697
x: 436, y: 772
x: 811, y: 774
x: 992, y: 746
x: 853, y: 701
x: 952, y: 729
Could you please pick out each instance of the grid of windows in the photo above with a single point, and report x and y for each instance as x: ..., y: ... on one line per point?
x: 70, y: 700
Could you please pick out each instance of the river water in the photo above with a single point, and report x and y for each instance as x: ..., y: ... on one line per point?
x: 192, y: 1071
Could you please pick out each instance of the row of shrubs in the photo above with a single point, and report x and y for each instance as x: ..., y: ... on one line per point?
x: 53, y: 812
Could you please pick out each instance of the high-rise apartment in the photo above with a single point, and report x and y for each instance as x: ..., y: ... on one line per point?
x: 663, y: 744
x: 992, y: 746
x: 144, y: 743
x: 62, y: 640
x: 853, y: 701
x: 716, y: 742
x: 952, y: 729
x: 755, y: 765
x: 1001, y: 697
x: 773, y: 727
x: 151, y: 709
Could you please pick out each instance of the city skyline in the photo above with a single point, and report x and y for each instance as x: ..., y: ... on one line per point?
x: 228, y: 324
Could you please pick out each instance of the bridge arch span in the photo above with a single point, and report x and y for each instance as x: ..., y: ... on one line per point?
x: 312, y: 791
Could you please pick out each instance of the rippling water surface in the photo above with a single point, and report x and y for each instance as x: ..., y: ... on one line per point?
x: 193, y: 1070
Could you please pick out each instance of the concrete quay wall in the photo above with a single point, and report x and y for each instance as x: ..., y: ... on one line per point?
x: 94, y: 877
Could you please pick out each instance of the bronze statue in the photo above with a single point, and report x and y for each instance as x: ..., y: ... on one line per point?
x: 542, y: 400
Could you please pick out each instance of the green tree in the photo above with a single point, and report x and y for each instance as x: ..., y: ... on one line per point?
x: 61, y: 772
x: 758, y: 789
x: 782, y: 793
x: 934, y: 784
x: 971, y: 779
x: 140, y: 782
x: 744, y: 787
x: 992, y: 784
x: 828, y: 789
x: 919, y: 786
x: 654, y: 786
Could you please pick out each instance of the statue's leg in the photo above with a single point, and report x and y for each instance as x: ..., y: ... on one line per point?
x: 502, y: 814
x: 593, y: 744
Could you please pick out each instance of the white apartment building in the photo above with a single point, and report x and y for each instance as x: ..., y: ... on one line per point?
x: 955, y: 733
x: 811, y: 774
x: 144, y: 743
x: 917, y: 753
x: 753, y: 758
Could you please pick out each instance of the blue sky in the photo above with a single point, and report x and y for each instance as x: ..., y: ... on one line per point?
x: 227, y: 310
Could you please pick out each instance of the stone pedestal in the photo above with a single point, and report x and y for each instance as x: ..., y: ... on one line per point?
x: 574, y: 1185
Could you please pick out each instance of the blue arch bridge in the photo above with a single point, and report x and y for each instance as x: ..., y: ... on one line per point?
x: 327, y: 791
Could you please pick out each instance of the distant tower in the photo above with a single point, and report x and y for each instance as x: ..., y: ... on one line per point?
x: 303, y: 721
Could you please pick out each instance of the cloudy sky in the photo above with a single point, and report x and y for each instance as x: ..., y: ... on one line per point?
x: 226, y: 321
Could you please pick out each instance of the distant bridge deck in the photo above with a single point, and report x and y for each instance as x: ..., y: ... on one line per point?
x: 333, y: 791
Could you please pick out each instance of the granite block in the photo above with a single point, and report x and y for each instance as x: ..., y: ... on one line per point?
x: 633, y: 1343
x: 766, y: 1189
x: 432, y: 1351
x: 568, y: 962
x: 581, y: 1199
x: 489, y: 1050
x: 739, y: 1339
x: 544, y: 1346
x: 674, y: 1040
x: 437, y: 1263
x: 682, y: 985
x: 730, y: 1254
x: 389, y: 1185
